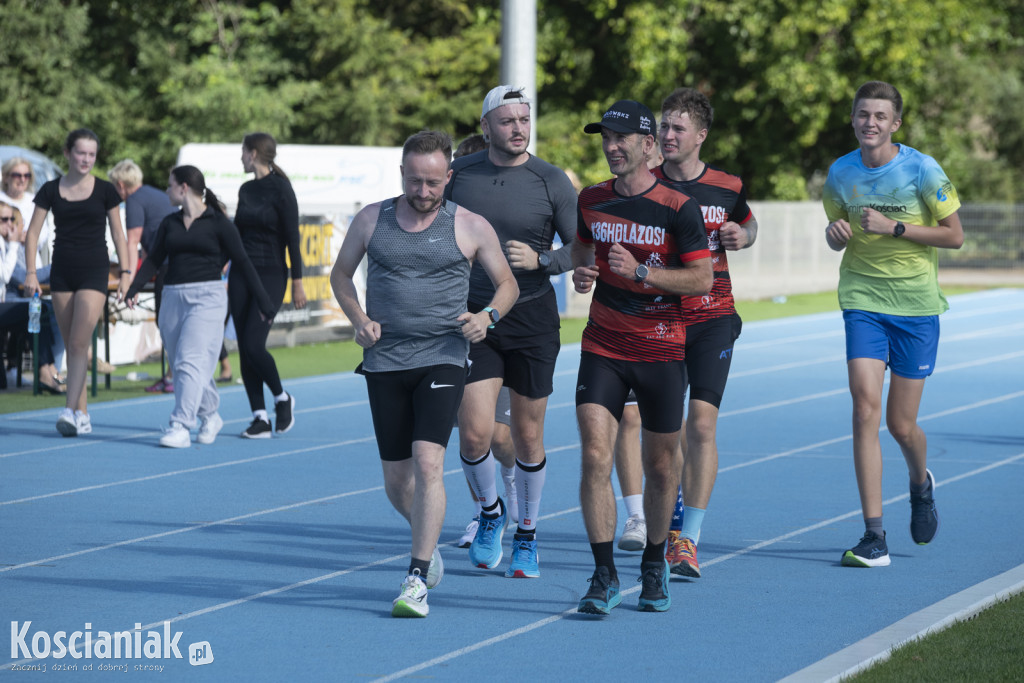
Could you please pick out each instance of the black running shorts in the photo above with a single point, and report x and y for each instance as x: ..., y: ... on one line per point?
x: 414, y: 405
x: 659, y: 389
x: 709, y: 347
x: 521, y: 348
x: 72, y: 279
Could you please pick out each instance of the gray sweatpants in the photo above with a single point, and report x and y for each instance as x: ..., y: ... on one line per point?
x: 192, y: 326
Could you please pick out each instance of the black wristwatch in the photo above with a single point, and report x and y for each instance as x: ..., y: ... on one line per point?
x: 543, y: 260
x: 899, y: 229
x: 493, y: 315
x: 641, y: 272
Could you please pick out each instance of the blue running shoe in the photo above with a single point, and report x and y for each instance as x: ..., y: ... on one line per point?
x: 524, y: 558
x: 485, y: 550
x: 654, y: 595
x: 870, y: 552
x: 924, y: 517
x: 603, y: 595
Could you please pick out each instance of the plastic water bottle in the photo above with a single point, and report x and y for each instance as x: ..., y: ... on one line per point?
x: 35, y: 309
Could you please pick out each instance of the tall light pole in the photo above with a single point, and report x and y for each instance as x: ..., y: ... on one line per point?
x: 519, y: 51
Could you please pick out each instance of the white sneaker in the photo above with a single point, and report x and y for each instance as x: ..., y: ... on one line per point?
x: 467, y: 538
x: 66, y: 423
x: 210, y: 428
x: 83, y: 422
x: 176, y: 437
x: 634, y: 534
x: 412, y: 601
x: 436, y: 570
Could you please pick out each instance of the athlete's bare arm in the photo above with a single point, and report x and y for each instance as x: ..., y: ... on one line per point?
x: 948, y: 234
x: 584, y: 273
x: 479, y: 242
x: 734, y: 236
x: 353, y: 249
x: 692, y: 279
x: 837, y: 234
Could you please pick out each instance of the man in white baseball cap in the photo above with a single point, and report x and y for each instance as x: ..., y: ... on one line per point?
x: 528, y: 201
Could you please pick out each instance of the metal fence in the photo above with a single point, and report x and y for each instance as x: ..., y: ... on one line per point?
x: 993, y: 238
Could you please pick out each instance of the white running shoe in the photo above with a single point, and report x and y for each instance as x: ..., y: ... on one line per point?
x: 209, y: 429
x: 436, y: 570
x: 176, y: 437
x: 83, y: 422
x: 66, y: 423
x: 412, y: 601
x: 467, y: 538
x: 634, y: 534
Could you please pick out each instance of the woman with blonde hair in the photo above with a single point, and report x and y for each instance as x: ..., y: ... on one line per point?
x: 82, y: 206
x: 17, y: 188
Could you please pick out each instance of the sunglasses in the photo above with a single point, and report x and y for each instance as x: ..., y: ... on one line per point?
x: 21, y: 176
x: 6, y: 219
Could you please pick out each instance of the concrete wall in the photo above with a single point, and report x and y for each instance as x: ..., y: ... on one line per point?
x: 790, y: 256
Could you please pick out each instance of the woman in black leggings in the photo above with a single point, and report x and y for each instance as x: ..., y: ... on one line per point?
x: 268, y: 220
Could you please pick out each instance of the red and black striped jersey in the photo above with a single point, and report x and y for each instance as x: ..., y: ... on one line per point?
x: 722, y: 198
x: 662, y: 228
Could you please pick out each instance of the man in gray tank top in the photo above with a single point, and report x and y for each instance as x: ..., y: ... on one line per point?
x: 416, y: 332
x: 528, y: 201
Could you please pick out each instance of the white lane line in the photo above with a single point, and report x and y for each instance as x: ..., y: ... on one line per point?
x: 86, y: 442
x: 879, y: 646
x: 883, y: 428
x: 757, y: 546
x: 189, y: 470
x: 490, y: 641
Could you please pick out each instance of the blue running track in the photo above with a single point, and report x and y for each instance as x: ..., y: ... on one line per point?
x: 279, y: 558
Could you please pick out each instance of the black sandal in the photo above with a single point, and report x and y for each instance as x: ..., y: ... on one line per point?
x: 55, y: 390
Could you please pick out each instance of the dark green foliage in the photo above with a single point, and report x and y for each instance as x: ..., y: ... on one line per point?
x: 150, y: 77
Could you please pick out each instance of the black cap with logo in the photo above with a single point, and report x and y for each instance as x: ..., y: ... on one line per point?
x: 625, y: 116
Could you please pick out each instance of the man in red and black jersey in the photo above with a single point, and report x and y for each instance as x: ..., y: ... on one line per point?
x: 712, y: 324
x: 643, y: 245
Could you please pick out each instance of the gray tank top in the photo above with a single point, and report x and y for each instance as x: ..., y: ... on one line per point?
x: 416, y: 286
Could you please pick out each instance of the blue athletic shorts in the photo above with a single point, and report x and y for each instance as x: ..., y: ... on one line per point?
x: 907, y: 344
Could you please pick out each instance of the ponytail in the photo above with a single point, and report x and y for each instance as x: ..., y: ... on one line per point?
x: 193, y: 177
x: 265, y: 147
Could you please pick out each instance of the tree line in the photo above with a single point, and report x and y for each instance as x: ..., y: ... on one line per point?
x: 150, y: 77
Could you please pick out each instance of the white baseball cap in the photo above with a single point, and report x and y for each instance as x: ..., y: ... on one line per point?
x: 504, y: 94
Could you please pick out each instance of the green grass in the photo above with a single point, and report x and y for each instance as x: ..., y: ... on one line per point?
x: 984, y: 648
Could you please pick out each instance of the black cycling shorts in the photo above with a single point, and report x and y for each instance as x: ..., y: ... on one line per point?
x: 414, y: 405
x: 659, y: 389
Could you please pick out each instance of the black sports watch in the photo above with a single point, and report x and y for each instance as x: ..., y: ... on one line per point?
x: 641, y: 272
x: 899, y: 229
x: 493, y: 315
x: 543, y: 259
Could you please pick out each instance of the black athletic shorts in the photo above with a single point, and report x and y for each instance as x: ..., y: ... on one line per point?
x: 521, y: 348
x: 72, y: 279
x: 659, y: 389
x: 709, y: 356
x: 414, y: 405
